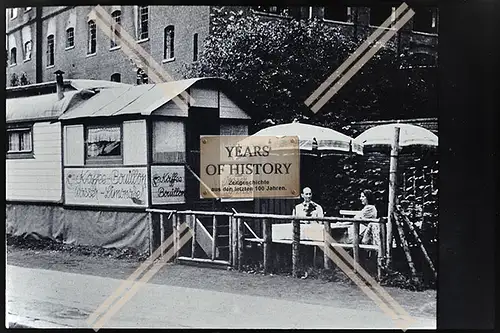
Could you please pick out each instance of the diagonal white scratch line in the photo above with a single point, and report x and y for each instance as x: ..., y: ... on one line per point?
x: 397, y: 312
x: 354, y: 56
x: 130, y: 280
x: 357, y: 66
x: 135, y: 52
x: 135, y: 288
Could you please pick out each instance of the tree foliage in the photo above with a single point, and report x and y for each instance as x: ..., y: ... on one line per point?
x: 276, y: 64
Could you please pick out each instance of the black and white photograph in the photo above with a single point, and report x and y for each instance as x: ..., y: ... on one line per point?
x: 109, y: 222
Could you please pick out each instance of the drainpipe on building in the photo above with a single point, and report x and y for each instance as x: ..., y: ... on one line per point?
x: 38, y: 45
x: 59, y: 84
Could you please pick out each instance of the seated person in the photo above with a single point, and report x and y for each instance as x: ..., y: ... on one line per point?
x: 369, y: 211
x: 308, y: 207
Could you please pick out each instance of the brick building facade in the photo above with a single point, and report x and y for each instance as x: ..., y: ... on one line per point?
x: 41, y: 40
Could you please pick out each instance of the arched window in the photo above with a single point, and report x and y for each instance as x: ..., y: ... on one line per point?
x: 50, y: 50
x: 168, y: 42
x: 142, y: 77
x: 70, y: 37
x: 143, y: 22
x: 92, y: 35
x: 13, y: 13
x: 27, y: 50
x: 116, y: 77
x: 13, y: 56
x: 115, y: 28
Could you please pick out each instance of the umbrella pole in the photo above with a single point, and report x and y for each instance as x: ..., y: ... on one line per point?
x: 392, y: 191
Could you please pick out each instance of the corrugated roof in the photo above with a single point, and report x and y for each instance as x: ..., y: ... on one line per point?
x: 141, y: 99
x: 47, y: 106
x: 37, y: 107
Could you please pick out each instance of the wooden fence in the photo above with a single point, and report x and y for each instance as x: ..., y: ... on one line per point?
x: 237, y: 238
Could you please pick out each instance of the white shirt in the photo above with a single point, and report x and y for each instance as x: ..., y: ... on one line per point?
x: 303, y: 208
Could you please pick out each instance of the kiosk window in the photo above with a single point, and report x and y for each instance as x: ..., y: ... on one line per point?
x: 103, y: 143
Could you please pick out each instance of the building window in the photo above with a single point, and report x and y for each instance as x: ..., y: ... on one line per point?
x: 195, y: 47
x: 20, y: 141
x: 13, y: 56
x: 50, y: 50
x: 115, y: 28
x: 116, y: 77
x: 380, y: 13
x: 338, y: 13
x: 142, y: 77
x: 282, y: 11
x: 425, y: 20
x: 70, y: 37
x: 103, y: 144
x: 92, y: 37
x: 143, y: 22
x: 169, y: 141
x: 27, y: 50
x: 13, y: 13
x: 27, y: 9
x: 168, y: 43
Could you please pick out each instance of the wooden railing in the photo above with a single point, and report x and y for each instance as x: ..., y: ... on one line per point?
x: 267, y: 237
x: 237, y: 235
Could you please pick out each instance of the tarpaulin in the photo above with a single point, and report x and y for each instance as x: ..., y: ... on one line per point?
x: 109, y: 229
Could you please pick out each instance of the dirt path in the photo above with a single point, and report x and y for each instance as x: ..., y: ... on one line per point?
x: 312, y: 291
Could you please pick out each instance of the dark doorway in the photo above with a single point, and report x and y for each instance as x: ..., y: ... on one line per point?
x: 201, y: 121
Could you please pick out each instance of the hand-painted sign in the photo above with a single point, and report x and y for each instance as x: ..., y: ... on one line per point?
x: 122, y: 186
x: 168, y: 184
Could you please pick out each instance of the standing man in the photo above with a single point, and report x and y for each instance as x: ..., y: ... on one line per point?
x: 308, y: 207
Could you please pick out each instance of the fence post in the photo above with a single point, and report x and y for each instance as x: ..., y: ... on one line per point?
x: 150, y: 224
x: 295, y: 247
x: 355, y: 248
x: 193, y: 243
x: 234, y: 240
x: 230, y: 244
x: 162, y: 234
x: 241, y: 239
x: 267, y: 236
x: 382, y: 250
x: 214, y: 236
x: 175, y: 229
x: 327, y: 235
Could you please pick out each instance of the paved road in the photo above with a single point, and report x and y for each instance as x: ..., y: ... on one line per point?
x: 46, y: 298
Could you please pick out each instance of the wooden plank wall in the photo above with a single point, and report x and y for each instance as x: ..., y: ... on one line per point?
x: 38, y: 178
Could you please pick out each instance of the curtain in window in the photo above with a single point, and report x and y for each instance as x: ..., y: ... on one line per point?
x: 25, y: 140
x: 169, y: 141
x: 13, y: 142
x: 106, y: 134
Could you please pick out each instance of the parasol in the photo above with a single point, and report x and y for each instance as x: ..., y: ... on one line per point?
x: 313, y: 137
x: 409, y: 135
x: 395, y: 135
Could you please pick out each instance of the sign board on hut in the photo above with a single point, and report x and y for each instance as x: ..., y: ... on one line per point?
x: 126, y: 187
x: 168, y: 184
